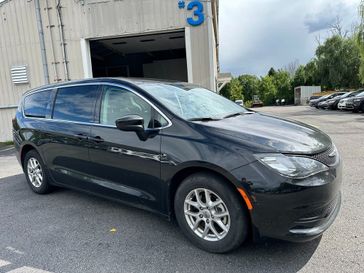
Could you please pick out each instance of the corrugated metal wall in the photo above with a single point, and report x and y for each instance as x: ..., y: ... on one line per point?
x: 304, y: 93
x: 19, y: 45
x: 86, y: 19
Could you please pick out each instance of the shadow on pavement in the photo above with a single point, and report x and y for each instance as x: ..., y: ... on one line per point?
x: 69, y: 231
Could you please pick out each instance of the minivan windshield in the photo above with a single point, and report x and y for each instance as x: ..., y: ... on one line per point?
x: 193, y: 103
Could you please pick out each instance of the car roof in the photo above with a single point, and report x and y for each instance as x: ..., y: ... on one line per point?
x: 131, y: 81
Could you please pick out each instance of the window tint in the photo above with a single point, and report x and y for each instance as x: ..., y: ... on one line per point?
x: 76, y: 103
x: 117, y: 103
x: 38, y: 104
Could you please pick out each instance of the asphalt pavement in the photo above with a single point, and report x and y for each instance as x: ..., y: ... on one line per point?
x: 68, y: 231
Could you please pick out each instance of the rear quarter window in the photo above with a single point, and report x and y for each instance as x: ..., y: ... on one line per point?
x: 38, y: 104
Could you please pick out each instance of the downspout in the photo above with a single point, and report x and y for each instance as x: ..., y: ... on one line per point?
x: 211, y: 44
x: 56, y: 79
x: 215, y: 11
x: 42, y: 42
x: 61, y: 35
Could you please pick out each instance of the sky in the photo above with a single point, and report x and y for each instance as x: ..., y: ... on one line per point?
x: 258, y: 34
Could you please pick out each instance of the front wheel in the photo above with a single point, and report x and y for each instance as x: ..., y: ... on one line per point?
x: 210, y: 213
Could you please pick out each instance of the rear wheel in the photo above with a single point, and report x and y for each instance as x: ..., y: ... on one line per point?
x: 36, y: 173
x: 210, y: 213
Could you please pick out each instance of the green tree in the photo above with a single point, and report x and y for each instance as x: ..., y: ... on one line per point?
x: 236, y: 90
x: 271, y: 72
x: 225, y: 91
x: 311, y: 73
x: 338, y: 61
x: 299, y: 77
x: 359, y: 37
x: 250, y: 86
x: 267, y: 90
x: 283, y: 84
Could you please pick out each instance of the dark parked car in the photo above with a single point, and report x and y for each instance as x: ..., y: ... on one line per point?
x: 315, y: 102
x: 182, y: 151
x: 313, y: 98
x: 332, y: 104
x: 356, y: 103
x: 257, y: 102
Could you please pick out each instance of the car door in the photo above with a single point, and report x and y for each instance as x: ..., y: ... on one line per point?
x: 68, y: 150
x: 125, y: 165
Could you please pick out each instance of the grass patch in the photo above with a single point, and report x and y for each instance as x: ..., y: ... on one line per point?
x: 6, y: 143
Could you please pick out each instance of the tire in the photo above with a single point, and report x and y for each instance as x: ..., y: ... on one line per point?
x: 34, y: 167
x: 236, y: 222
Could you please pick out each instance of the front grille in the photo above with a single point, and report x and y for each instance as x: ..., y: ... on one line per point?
x: 321, y: 212
x: 329, y: 157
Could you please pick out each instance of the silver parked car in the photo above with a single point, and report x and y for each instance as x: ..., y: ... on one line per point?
x: 343, y: 103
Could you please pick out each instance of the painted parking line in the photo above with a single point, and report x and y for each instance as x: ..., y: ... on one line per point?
x: 26, y: 269
x: 23, y: 269
x: 7, y: 149
x: 4, y: 263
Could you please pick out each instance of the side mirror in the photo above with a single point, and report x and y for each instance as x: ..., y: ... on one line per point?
x: 129, y: 123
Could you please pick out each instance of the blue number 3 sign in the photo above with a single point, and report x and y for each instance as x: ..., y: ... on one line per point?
x: 199, y: 17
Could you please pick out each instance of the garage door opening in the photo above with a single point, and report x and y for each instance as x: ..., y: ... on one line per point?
x: 159, y: 56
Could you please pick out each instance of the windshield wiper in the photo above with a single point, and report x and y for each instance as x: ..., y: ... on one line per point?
x: 236, y: 114
x: 203, y: 119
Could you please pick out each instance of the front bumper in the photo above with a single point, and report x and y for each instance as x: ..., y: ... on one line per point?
x: 324, y: 220
x: 342, y: 106
x: 349, y: 106
x: 283, y: 209
x: 323, y: 105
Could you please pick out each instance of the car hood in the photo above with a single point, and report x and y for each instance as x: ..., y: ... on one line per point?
x: 264, y: 133
x: 320, y: 99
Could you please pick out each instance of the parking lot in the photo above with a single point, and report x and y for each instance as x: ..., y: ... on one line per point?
x: 67, y: 231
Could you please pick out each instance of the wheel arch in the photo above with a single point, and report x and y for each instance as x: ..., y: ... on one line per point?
x: 183, y: 173
x: 24, y: 150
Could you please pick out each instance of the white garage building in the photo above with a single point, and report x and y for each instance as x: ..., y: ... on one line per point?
x: 47, y: 41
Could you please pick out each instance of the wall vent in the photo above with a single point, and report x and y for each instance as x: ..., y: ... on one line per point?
x: 19, y: 74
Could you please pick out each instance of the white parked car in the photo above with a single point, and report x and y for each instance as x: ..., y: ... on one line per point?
x: 343, y: 105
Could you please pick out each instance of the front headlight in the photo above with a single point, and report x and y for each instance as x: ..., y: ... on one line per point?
x: 296, y: 167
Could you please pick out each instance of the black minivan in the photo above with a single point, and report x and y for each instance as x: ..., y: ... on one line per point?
x: 223, y: 172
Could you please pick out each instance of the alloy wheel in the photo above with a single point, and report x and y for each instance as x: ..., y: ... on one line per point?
x: 35, y: 172
x: 206, y: 214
